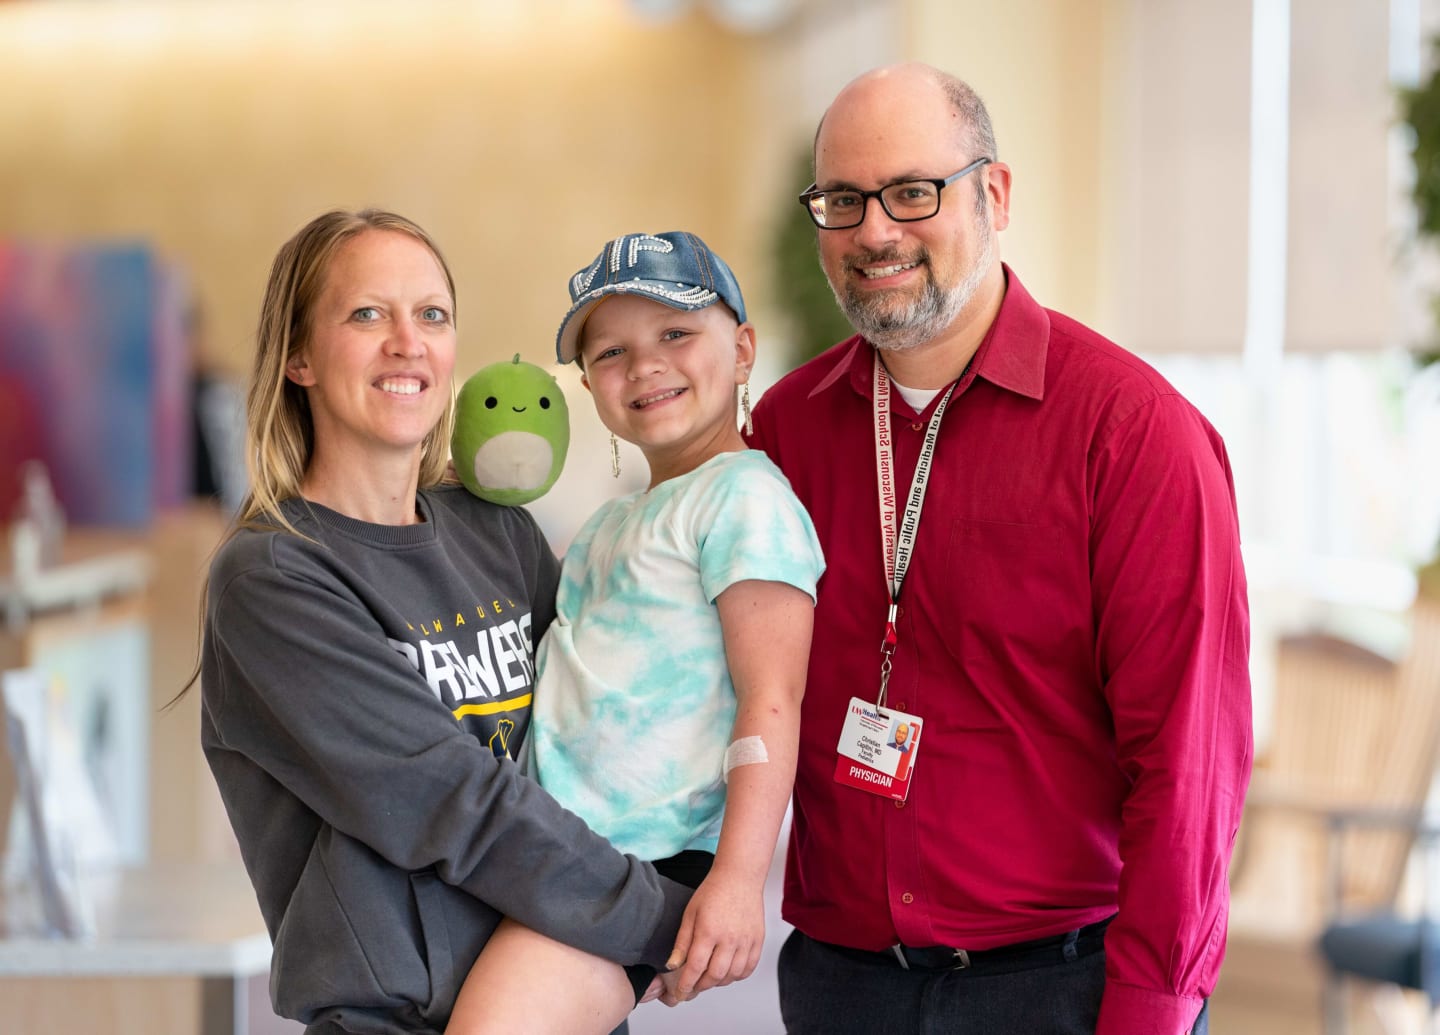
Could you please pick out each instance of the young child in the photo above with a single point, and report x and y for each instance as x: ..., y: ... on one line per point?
x: 667, y: 705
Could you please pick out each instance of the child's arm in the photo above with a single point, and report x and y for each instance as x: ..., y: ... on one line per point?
x: 767, y: 629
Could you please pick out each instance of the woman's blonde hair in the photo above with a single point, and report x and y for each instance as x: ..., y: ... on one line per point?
x: 279, y: 429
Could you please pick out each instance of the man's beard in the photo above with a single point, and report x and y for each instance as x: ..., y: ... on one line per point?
x: 895, y: 325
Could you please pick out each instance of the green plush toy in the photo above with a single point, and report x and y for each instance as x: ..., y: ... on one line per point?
x: 512, y: 429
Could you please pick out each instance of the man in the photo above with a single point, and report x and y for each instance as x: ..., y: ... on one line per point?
x: 1063, y: 608
x: 902, y: 734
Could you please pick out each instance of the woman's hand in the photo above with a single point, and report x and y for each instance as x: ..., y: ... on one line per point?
x: 655, y: 989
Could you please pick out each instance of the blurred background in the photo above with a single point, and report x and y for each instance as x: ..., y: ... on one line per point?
x: 1229, y: 189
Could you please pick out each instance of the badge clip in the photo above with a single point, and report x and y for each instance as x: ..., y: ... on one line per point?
x: 887, y: 645
x: 887, y: 651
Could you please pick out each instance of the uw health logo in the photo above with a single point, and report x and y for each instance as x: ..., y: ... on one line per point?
x: 859, y: 709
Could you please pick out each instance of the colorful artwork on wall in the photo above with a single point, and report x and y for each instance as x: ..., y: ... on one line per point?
x: 95, y: 336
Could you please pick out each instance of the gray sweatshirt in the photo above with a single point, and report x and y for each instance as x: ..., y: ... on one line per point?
x: 362, y: 696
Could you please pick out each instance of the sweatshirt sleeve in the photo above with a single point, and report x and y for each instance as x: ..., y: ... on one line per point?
x: 302, y: 683
x: 1172, y: 650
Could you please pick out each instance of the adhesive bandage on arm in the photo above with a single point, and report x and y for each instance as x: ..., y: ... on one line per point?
x: 745, y: 751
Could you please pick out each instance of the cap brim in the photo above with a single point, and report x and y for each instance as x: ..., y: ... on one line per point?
x: 567, y: 340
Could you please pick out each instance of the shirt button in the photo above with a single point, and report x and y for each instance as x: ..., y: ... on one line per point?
x: 900, y: 707
x: 907, y: 898
x: 917, y: 426
x: 900, y: 612
x: 899, y: 804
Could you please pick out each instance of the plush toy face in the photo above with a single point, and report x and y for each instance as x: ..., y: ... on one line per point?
x: 512, y: 429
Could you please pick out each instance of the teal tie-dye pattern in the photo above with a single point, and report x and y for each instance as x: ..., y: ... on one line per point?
x: 634, y: 706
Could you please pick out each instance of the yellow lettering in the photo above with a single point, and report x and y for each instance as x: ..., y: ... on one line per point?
x: 438, y: 627
x: 480, y: 610
x: 459, y: 618
x: 496, y: 605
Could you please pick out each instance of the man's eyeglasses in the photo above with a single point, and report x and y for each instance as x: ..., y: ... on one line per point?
x: 904, y: 202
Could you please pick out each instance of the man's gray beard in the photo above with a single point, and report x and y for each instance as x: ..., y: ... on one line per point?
x: 922, y: 321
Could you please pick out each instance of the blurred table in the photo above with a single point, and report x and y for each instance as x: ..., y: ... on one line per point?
x: 194, y: 922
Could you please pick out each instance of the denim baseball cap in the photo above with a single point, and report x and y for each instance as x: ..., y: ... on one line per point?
x: 675, y: 268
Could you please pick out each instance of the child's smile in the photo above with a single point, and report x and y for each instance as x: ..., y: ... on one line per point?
x: 665, y: 379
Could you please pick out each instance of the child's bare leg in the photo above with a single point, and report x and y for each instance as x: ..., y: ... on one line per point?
x: 524, y: 981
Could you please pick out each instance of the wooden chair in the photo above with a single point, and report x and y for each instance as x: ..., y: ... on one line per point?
x: 1355, y: 735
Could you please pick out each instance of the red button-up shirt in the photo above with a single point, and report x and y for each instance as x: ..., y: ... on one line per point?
x: 1074, y: 636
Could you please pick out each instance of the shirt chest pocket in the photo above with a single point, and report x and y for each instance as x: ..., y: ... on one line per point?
x: 1016, y: 579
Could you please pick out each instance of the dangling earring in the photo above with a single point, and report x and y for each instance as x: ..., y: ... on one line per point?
x: 614, y: 455
x: 745, y: 407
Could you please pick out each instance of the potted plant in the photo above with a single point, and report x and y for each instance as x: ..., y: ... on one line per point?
x: 1420, y: 113
x: 802, y: 291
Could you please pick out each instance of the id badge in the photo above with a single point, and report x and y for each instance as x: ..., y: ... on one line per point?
x: 877, y: 749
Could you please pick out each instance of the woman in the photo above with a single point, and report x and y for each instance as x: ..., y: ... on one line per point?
x: 367, y: 660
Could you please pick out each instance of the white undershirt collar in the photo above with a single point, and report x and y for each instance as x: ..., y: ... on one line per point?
x: 916, y: 398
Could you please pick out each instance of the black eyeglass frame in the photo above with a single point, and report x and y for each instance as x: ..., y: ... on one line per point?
x: 879, y: 195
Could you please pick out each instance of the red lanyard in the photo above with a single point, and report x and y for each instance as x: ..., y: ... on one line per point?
x: 897, y: 541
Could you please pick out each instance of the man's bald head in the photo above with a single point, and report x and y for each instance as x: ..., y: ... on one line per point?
x: 903, y: 83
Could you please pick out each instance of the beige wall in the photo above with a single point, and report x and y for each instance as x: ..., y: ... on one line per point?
x: 1038, y: 66
x: 521, y: 135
